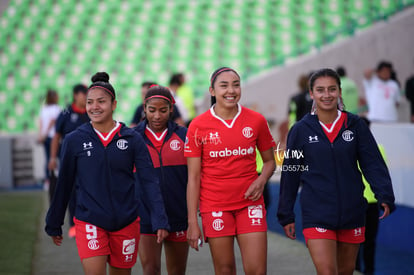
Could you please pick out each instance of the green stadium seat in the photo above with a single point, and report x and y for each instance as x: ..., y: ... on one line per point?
x: 57, y: 43
x: 361, y: 12
x: 385, y: 7
x: 12, y: 15
x: 7, y: 63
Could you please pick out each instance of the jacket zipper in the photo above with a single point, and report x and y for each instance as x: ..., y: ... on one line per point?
x: 337, y: 185
x: 160, y: 159
x: 115, y: 219
x: 343, y: 128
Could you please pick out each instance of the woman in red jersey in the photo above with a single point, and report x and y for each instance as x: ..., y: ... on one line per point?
x: 222, y: 179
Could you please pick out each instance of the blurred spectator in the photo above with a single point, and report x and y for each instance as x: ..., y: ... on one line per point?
x: 175, y: 83
x: 366, y: 255
x: 350, y: 93
x: 139, y: 112
x: 69, y: 119
x: 186, y: 94
x: 47, y: 119
x: 382, y: 93
x: 409, y: 93
x: 301, y: 103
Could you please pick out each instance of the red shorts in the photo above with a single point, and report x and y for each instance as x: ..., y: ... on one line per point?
x: 356, y: 235
x: 229, y: 223
x: 179, y: 236
x: 121, y: 246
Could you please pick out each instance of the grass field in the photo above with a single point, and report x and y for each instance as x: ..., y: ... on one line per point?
x: 19, y: 220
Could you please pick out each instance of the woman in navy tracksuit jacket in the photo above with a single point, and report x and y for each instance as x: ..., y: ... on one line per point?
x: 165, y: 141
x: 332, y: 187
x: 102, y: 169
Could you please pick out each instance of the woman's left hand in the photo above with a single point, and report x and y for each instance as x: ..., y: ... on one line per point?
x: 255, y: 191
x: 161, y: 235
x: 386, y: 211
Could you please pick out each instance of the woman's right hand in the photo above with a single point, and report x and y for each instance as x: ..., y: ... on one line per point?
x: 57, y: 240
x: 290, y: 231
x: 161, y: 235
x: 194, y: 235
x: 386, y: 211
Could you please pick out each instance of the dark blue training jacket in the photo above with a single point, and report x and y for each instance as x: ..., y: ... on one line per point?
x: 68, y: 120
x: 171, y: 167
x: 332, y: 188
x: 105, y: 182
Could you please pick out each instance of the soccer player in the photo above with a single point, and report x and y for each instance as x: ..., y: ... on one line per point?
x: 99, y: 157
x: 222, y: 178
x: 165, y: 141
x: 139, y: 114
x: 331, y: 142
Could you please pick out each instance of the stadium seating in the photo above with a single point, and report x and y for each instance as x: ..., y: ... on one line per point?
x: 58, y: 43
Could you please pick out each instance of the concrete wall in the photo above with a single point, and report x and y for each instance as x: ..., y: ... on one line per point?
x: 391, y: 40
x: 397, y: 139
x: 6, y: 164
x: 10, y: 145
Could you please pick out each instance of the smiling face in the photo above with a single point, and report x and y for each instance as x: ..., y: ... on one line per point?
x: 157, y: 111
x: 226, y: 89
x: 325, y: 92
x: 99, y: 106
